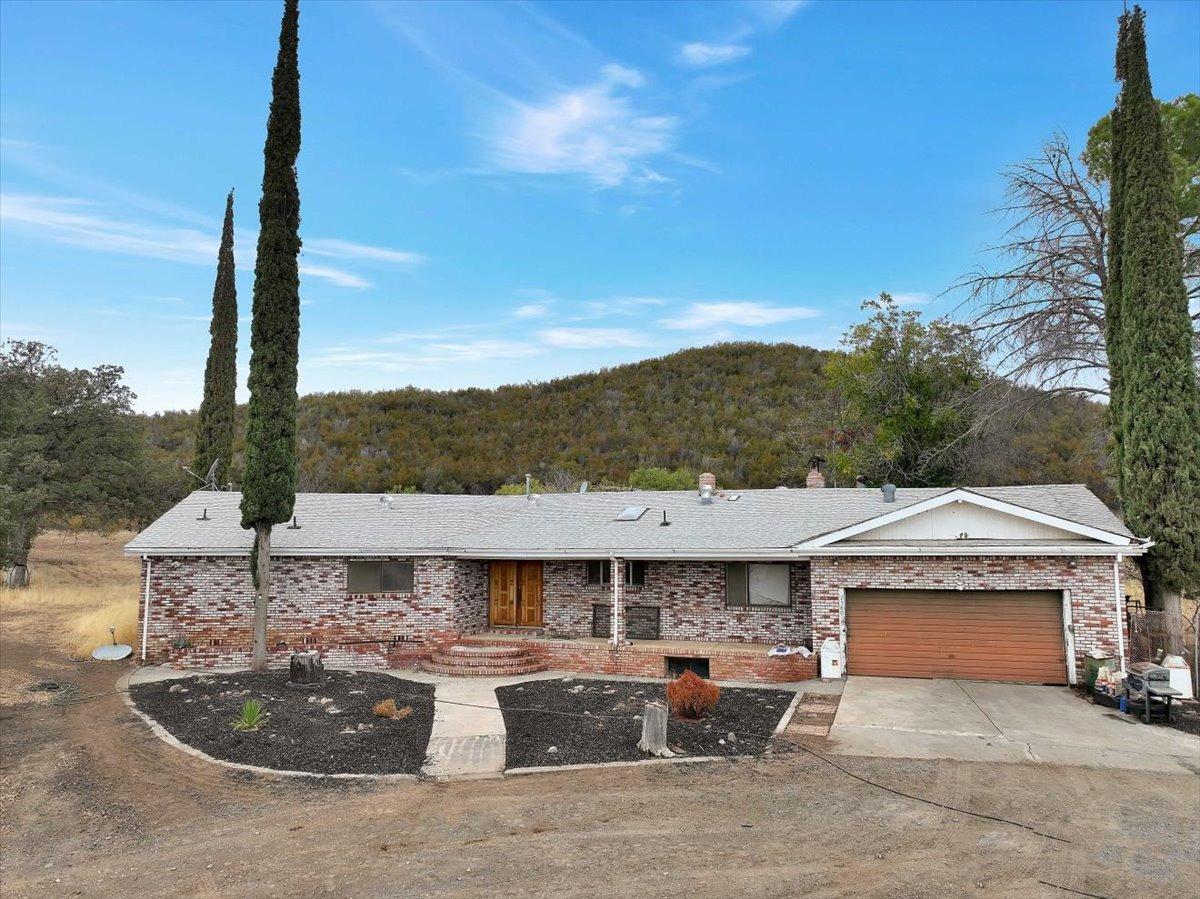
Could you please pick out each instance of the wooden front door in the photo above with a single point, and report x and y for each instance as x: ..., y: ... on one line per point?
x: 529, y: 600
x: 503, y: 593
x: 516, y: 594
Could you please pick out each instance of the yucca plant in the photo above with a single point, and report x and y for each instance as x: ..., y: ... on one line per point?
x: 252, y: 716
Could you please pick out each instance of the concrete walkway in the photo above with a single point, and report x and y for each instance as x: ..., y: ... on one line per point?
x: 468, y: 739
x: 994, y: 722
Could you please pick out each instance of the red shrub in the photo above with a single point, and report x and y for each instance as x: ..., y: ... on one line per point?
x: 690, y: 696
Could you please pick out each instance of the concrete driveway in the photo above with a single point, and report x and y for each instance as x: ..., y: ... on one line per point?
x: 991, y: 722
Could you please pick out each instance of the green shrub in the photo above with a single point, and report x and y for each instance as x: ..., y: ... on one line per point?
x: 252, y: 716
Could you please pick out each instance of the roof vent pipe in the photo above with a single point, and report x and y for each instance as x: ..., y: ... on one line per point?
x: 528, y: 486
x: 706, y: 494
x: 583, y: 487
x: 889, y: 492
x: 860, y: 482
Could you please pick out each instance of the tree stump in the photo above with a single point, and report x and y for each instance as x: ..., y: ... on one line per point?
x: 654, y: 730
x: 307, y: 671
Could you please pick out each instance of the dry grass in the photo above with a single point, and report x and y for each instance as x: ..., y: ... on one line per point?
x: 386, y: 708
x: 81, y: 586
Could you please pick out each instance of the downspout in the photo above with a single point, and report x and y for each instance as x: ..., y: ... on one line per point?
x: 146, y: 608
x: 617, y: 576
x: 1117, y: 593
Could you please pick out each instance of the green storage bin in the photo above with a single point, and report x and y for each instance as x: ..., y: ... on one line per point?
x: 1091, y: 669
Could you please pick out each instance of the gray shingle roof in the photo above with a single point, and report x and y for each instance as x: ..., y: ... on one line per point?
x: 565, y: 523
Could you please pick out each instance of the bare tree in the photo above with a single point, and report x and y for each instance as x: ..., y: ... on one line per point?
x: 1040, y: 314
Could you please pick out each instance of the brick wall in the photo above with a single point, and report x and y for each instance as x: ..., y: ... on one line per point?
x: 647, y: 660
x: 1088, y: 578
x: 210, y: 603
x: 691, y: 599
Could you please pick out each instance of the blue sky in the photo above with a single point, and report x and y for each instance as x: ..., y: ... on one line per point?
x: 508, y: 192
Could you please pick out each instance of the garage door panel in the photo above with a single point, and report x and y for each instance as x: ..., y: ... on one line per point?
x: 983, y: 635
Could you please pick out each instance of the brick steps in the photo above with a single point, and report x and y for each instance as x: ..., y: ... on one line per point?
x: 471, y: 652
x: 482, y: 661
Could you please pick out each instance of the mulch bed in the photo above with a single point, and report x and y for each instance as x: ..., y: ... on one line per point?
x: 604, y: 722
x: 329, y: 730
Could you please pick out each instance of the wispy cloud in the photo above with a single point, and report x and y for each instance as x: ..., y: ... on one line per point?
x: 345, y: 249
x: 595, y: 131
x: 591, y: 338
x: 911, y: 299
x: 24, y: 331
x: 532, y: 310
x: 775, y: 12
x: 700, y: 316
x: 700, y: 55
x: 751, y: 18
x: 622, y: 305
x: 69, y: 220
x: 336, y: 276
x: 78, y: 222
x: 434, y: 354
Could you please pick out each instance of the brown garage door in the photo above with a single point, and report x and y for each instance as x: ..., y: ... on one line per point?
x: 1006, y: 635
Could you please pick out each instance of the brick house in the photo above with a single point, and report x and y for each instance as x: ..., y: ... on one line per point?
x: 1007, y: 583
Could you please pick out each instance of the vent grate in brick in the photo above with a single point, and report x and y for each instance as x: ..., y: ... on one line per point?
x: 641, y: 622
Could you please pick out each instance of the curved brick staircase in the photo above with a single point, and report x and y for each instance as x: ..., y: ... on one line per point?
x: 482, y: 661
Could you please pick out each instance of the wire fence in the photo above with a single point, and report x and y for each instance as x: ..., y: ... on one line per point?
x: 1150, y: 635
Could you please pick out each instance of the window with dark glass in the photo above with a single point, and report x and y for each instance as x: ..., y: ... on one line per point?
x: 757, y: 584
x: 599, y: 573
x: 379, y: 577
x: 635, y: 574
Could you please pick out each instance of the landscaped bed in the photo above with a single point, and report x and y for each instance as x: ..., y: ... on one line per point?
x: 602, y: 722
x: 329, y: 730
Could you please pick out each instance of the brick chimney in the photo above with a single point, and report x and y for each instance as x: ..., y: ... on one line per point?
x: 815, y: 478
x: 708, y: 479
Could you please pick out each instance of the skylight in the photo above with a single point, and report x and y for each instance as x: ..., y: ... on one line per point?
x: 631, y: 513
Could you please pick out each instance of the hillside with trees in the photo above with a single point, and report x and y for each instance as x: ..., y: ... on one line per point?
x: 737, y: 409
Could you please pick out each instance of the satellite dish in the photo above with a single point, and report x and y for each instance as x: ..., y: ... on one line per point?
x: 113, y: 652
x: 209, y: 480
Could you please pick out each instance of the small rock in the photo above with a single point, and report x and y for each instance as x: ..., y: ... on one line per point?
x: 348, y: 730
x: 332, y: 710
x: 731, y: 737
x: 177, y: 688
x: 553, y: 750
x: 357, y: 692
x: 722, y: 742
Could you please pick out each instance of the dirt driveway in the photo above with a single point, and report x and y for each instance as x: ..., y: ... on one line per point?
x: 92, y: 804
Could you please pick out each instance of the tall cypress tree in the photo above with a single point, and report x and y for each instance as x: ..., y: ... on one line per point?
x: 214, y: 429
x: 1155, y: 398
x: 269, y: 481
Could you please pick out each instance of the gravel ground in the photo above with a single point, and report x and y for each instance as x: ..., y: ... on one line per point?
x: 604, y: 724
x: 330, y: 730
